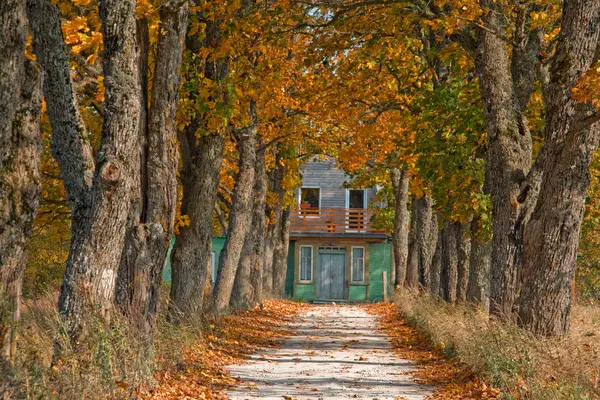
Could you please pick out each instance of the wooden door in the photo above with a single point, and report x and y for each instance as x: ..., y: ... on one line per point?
x: 332, y: 276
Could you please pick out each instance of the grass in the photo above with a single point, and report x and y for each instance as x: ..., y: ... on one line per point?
x: 113, y: 362
x: 506, y: 357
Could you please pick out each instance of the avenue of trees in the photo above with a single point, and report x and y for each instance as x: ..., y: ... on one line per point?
x: 126, y: 123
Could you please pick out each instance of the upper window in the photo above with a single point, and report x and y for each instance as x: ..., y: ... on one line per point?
x: 310, y: 198
x: 306, y: 257
x: 358, y: 264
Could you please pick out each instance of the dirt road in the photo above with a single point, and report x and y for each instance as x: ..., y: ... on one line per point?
x: 336, y: 353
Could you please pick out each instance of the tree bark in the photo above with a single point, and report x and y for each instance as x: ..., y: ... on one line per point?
x: 430, y: 239
x: 240, y: 215
x: 449, y: 273
x: 71, y: 145
x: 552, y: 234
x: 247, y: 288
x: 99, y: 214
x: 259, y: 225
x: 463, y: 241
x: 436, y: 265
x: 424, y: 235
x: 202, y: 158
x: 479, y: 270
x: 155, y: 206
x: 274, y: 213
x: 280, y: 254
x: 412, y: 264
x: 401, y: 219
x: 20, y: 162
x: 509, y: 156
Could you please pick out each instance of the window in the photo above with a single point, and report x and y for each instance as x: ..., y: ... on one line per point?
x: 310, y: 199
x: 358, y: 264
x: 213, y: 266
x: 306, y: 263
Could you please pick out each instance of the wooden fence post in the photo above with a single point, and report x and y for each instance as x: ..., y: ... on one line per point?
x: 385, y: 295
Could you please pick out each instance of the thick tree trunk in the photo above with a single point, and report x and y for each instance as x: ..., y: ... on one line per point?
x: 202, y: 158
x: 274, y: 213
x: 134, y: 246
x: 412, y: 265
x: 247, y: 288
x: 430, y: 239
x: 99, y: 218
x: 479, y: 270
x: 463, y: 242
x: 509, y: 157
x: 240, y: 215
x: 280, y: 254
x: 435, y: 273
x: 551, y: 237
x: 20, y: 161
x: 421, y: 242
x: 401, y: 219
x: 449, y: 274
x: 191, y: 253
x: 70, y: 139
x: 242, y: 291
x: 153, y: 210
x: 260, y: 204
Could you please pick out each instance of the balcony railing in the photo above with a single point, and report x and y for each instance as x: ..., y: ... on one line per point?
x: 332, y: 221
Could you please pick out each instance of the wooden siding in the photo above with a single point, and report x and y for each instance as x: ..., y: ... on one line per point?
x: 330, y: 179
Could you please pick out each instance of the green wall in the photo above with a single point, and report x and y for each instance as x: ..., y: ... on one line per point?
x: 357, y: 293
x: 217, y: 246
x: 380, y: 259
x: 305, y: 292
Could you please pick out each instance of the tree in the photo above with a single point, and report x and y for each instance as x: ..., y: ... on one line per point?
x: 20, y: 162
x: 99, y: 199
x: 400, y: 182
x: 571, y: 136
x: 154, y: 194
x: 202, y: 141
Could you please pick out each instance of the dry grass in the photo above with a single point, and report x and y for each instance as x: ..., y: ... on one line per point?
x: 507, y: 357
x: 113, y: 362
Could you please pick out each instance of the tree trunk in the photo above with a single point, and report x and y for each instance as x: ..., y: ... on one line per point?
x: 152, y: 216
x: 551, y: 237
x: 247, y: 287
x: 20, y: 162
x: 463, y: 241
x: 436, y: 265
x: 274, y: 213
x: 449, y: 273
x: 259, y: 225
x: 202, y: 158
x: 240, y: 215
x: 412, y: 265
x: 423, y: 234
x: 401, y: 218
x: 430, y: 239
x: 479, y: 270
x: 506, y: 86
x: 280, y: 254
x: 99, y: 218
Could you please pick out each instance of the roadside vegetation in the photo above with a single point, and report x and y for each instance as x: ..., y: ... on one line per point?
x: 500, y: 359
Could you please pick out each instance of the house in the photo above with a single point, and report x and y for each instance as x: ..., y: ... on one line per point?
x: 336, y: 254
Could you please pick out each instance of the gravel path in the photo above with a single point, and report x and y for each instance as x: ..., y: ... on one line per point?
x: 337, y: 353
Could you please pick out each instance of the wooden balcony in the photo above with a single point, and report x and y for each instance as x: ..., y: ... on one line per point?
x: 333, y: 222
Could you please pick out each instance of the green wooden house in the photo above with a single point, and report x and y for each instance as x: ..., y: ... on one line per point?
x: 335, y: 253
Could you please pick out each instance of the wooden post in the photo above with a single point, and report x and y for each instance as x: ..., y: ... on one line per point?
x: 385, y: 296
